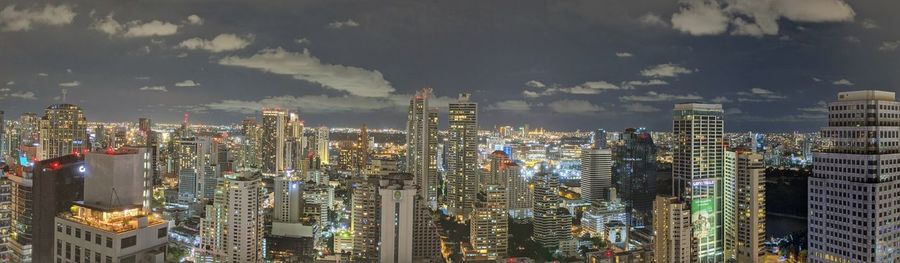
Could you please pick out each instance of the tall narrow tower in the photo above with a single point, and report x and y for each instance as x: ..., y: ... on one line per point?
x: 274, y: 126
x: 853, y: 190
x: 596, y: 174
x: 463, y: 155
x: 698, y: 171
x: 421, y: 144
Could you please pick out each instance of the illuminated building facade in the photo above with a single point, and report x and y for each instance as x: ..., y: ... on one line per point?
x: 489, y: 234
x: 462, y: 160
x: 397, y: 198
x: 365, y: 219
x: 63, y: 130
x: 274, y: 128
x: 635, y: 174
x: 697, y: 172
x: 596, y: 175
x: 322, y: 145
x: 421, y: 138
x: 552, y: 224
x: 58, y: 183
x: 232, y: 230
x: 671, y: 230
x: 854, y: 186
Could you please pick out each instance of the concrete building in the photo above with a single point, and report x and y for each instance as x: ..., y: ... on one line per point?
x: 421, y: 138
x: 397, y: 195
x: 322, y: 145
x: 365, y: 219
x: 552, y: 223
x: 519, y: 194
x: 113, y: 223
x: 697, y: 172
x: 672, y: 230
x: 63, y: 131
x: 462, y: 160
x: 854, y: 189
x: 489, y: 234
x: 58, y: 183
x: 750, y: 205
x: 274, y: 129
x: 232, y: 229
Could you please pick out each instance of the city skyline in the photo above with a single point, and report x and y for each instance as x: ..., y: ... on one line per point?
x: 563, y: 66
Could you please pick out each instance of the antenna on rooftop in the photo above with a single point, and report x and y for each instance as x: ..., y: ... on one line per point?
x: 64, y: 92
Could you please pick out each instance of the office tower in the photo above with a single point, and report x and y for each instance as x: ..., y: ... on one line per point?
x: 489, y: 234
x: 671, y: 230
x: 519, y: 194
x: 63, y: 130
x: 426, y: 241
x: 463, y: 156
x: 362, y: 150
x: 745, y: 207
x: 364, y: 222
x: 598, y: 139
x: 58, y: 182
x: 113, y: 223
x: 232, y: 230
x: 596, y: 174
x: 6, y: 210
x: 31, y: 128
x: 496, y: 166
x: 150, y: 140
x: 322, y: 145
x: 551, y: 223
x: 288, y: 199
x: 190, y: 162
x: 250, y: 143
x: 397, y: 197
x: 421, y: 145
x: 697, y: 173
x: 274, y: 127
x: 635, y: 173
x: 853, y: 200
x: 21, y: 217
x: 295, y: 145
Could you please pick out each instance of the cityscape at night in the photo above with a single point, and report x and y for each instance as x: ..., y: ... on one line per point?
x: 595, y: 131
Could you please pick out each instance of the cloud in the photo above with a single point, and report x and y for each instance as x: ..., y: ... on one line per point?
x: 154, y: 88
x: 700, y: 17
x: 343, y: 24
x: 509, y: 105
x: 842, y: 82
x: 5, y: 89
x: 624, y: 54
x: 10, y: 83
x: 590, y: 87
x: 135, y: 28
x: 852, y: 39
x: 821, y: 107
x: 655, y: 96
x: 889, y: 45
x: 720, y: 100
x: 25, y: 19
x: 733, y: 111
x: 535, y: 84
x: 638, y: 107
x: 194, y: 20
x: 303, y: 41
x: 304, y: 66
x: 652, y: 82
x: 816, y: 79
x: 322, y: 103
x: 651, y: 19
x: 42, y: 74
x: 70, y: 84
x: 221, y: 43
x: 665, y: 70
x: 187, y: 83
x: 28, y: 95
x: 754, y: 18
x: 574, y: 107
x: 530, y: 94
x: 868, y: 24
x: 759, y: 95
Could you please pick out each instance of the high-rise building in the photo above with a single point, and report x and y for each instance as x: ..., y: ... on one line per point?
x: 6, y: 210
x: 113, y: 223
x: 745, y: 207
x: 31, y: 128
x: 489, y: 238
x: 421, y: 145
x: 322, y: 145
x: 58, y: 182
x: 274, y: 128
x: 596, y: 174
x: 250, y: 143
x: 288, y: 199
x: 519, y: 194
x: 397, y: 198
x: 232, y: 230
x: 853, y: 189
x: 364, y: 219
x: 552, y: 224
x: 598, y: 139
x: 20, y: 243
x: 362, y: 150
x: 63, y: 130
x: 697, y: 172
x: 671, y: 230
x: 635, y: 174
x: 463, y: 156
x: 4, y: 150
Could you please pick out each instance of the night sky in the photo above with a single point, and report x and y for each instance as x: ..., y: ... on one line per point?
x: 563, y: 65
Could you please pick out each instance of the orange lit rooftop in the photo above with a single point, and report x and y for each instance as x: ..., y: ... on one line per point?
x: 117, y: 220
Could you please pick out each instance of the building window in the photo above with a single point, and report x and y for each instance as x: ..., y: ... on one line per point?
x: 128, y: 242
x: 97, y: 239
x: 78, y: 233
x: 68, y: 230
x: 162, y: 232
x: 109, y: 242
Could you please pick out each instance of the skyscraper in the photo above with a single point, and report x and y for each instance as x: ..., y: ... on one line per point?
x: 596, y: 174
x: 421, y: 144
x: 63, y: 130
x: 697, y: 172
x: 489, y: 234
x: 551, y: 223
x: 745, y: 207
x: 58, y: 182
x: 463, y: 156
x: 364, y: 219
x: 232, y: 230
x: 671, y: 230
x: 519, y: 194
x: 635, y: 174
x: 274, y: 128
x: 598, y: 139
x: 322, y: 145
x: 288, y: 199
x: 853, y: 200
x: 250, y: 145
x: 6, y: 210
x: 397, y: 198
x: 114, y: 220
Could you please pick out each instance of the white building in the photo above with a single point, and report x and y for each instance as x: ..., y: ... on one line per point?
x: 854, y: 190
x: 397, y: 193
x: 232, y: 230
x: 596, y: 174
x: 462, y: 179
x: 671, y: 230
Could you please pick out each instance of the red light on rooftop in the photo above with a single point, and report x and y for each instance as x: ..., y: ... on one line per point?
x: 54, y: 165
x: 110, y: 150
